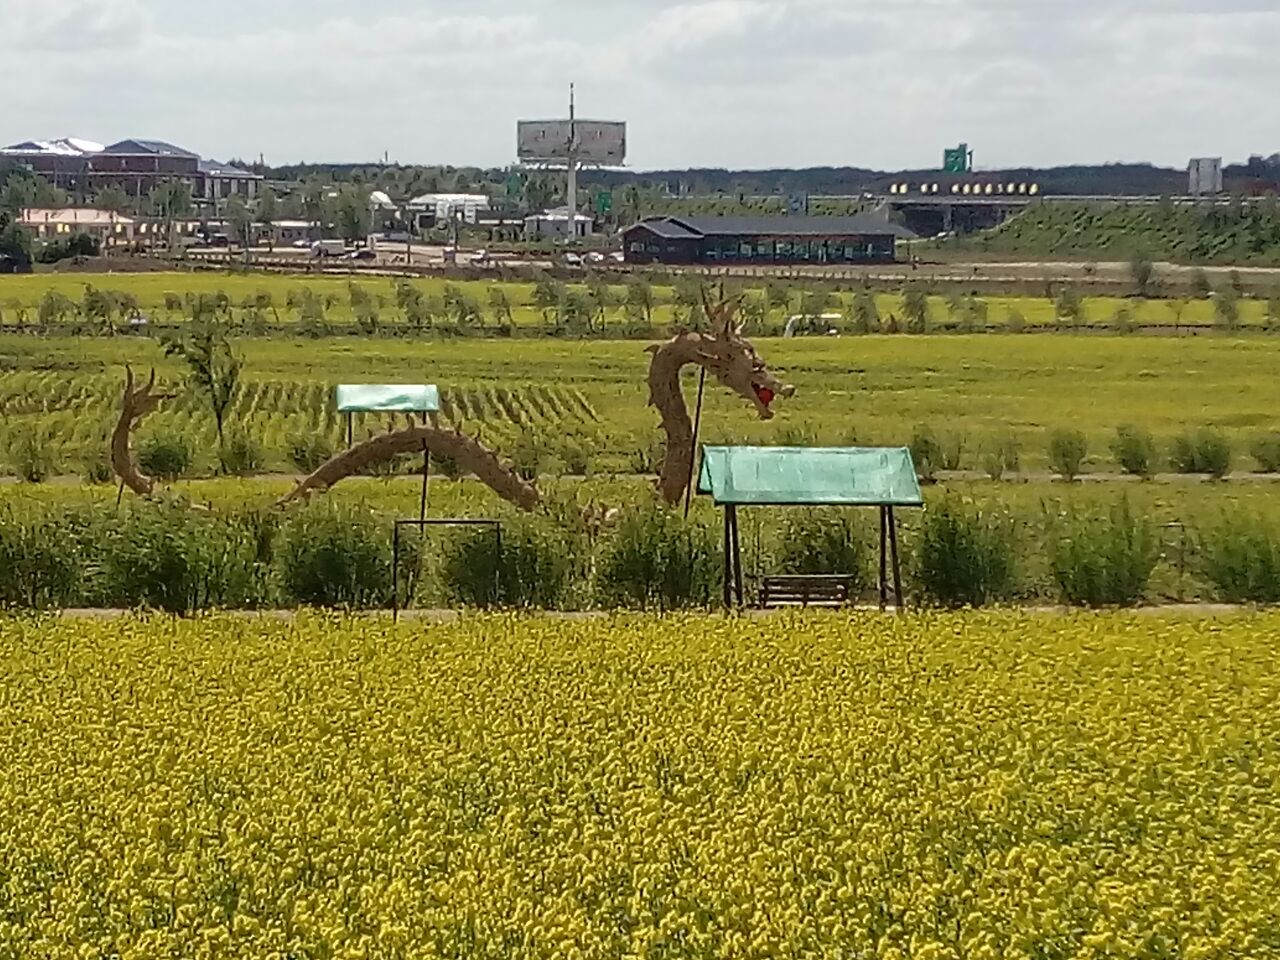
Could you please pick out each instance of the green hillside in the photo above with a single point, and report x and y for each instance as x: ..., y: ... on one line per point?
x: 1235, y: 234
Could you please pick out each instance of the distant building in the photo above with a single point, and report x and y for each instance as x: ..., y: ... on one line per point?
x: 103, y: 225
x: 219, y: 181
x: 763, y: 240
x: 429, y: 209
x: 555, y: 225
x: 135, y: 166
x: 63, y: 162
x: 1205, y: 175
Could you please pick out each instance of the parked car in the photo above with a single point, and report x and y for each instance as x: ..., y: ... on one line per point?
x: 303, y: 244
x: 364, y: 253
x: 219, y: 240
x: 595, y: 257
x: 618, y: 256
x: 328, y: 248
x: 573, y: 260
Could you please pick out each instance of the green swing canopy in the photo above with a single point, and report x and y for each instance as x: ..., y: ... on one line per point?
x: 810, y: 476
x: 388, y: 398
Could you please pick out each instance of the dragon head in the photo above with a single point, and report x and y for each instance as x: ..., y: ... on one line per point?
x: 733, y: 360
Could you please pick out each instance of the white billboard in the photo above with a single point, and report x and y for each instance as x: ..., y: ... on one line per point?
x: 1206, y: 176
x: 601, y: 142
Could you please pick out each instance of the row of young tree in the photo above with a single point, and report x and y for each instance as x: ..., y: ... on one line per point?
x: 596, y: 306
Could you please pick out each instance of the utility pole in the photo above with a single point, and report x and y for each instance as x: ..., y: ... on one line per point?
x: 571, y: 201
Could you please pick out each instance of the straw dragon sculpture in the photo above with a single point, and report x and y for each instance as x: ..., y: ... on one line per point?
x: 725, y: 354
x: 728, y: 357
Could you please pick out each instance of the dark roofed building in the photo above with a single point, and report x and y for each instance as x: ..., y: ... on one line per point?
x: 763, y: 240
x: 221, y: 180
x: 149, y: 148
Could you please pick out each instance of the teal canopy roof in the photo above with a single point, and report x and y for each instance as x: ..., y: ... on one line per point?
x: 369, y: 398
x: 810, y: 476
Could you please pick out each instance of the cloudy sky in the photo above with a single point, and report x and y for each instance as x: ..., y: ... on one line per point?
x: 726, y: 83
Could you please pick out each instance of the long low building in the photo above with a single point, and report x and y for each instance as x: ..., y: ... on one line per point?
x: 763, y: 240
x: 104, y: 225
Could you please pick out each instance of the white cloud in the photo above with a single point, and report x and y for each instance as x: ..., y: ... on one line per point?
x: 702, y: 82
x: 71, y: 26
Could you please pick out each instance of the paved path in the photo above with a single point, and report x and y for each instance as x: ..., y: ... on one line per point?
x: 1185, y: 610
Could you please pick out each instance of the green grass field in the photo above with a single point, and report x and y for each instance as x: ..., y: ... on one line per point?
x: 870, y: 390
x: 20, y: 298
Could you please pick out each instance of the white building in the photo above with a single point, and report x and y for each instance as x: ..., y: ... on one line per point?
x: 103, y: 225
x: 554, y: 225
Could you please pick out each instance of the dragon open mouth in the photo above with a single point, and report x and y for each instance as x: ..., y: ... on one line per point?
x: 764, y: 394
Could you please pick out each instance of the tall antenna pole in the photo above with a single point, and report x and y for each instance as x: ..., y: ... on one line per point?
x: 572, y: 199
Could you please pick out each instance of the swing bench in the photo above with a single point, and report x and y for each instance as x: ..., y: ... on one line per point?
x: 881, y: 477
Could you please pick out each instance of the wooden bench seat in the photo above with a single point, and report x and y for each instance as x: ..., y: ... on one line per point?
x: 806, y: 590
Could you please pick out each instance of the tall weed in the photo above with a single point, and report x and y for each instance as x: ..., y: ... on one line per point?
x: 1241, y: 559
x: 657, y: 560
x: 966, y: 557
x: 1105, y: 559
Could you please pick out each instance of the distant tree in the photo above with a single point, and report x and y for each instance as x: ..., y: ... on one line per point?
x: 601, y: 297
x: 1070, y: 306
x: 500, y: 305
x: 1226, y: 309
x: 1122, y: 321
x: 240, y: 219
x: 409, y: 300
x: 866, y: 316
x: 213, y: 365
x: 16, y: 195
x: 171, y: 201
x: 1273, y: 311
x: 15, y: 243
x: 352, y: 213
x: 1141, y: 269
x: 573, y: 312
x: 639, y: 302
x: 99, y: 307
x: 22, y: 190
x: 112, y: 199
x: 1237, y: 283
x: 915, y: 306
x: 778, y: 295
x: 547, y: 294
x: 1200, y: 285
x: 54, y: 307
x: 461, y: 310
x: 814, y: 303
x: 688, y: 301
x: 267, y: 212
x: 754, y: 312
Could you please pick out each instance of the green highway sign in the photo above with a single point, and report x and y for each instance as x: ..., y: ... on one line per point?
x: 604, y: 203
x: 956, y: 160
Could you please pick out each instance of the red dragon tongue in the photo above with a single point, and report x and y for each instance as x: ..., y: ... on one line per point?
x: 765, y: 394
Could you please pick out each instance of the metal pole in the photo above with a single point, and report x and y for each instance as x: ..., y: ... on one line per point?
x: 349, y: 428
x: 395, y: 572
x: 571, y: 189
x: 737, y: 557
x: 497, y: 567
x: 426, y: 481
x: 897, y: 570
x: 697, y: 428
x: 884, y: 573
x: 728, y: 559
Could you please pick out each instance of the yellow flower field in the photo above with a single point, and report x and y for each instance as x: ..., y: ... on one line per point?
x: 993, y: 785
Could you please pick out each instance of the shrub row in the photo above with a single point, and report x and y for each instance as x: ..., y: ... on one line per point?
x: 168, y: 556
x: 1134, y: 450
